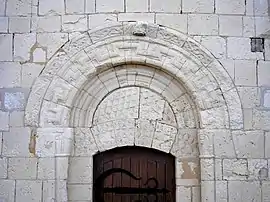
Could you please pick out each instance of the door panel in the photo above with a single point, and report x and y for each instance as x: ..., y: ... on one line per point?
x: 134, y: 174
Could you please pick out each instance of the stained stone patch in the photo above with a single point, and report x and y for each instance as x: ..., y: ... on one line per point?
x: 14, y: 100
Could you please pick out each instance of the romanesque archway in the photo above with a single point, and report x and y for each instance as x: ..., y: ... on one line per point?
x: 66, y: 97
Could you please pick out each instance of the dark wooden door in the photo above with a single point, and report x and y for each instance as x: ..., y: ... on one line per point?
x: 134, y: 174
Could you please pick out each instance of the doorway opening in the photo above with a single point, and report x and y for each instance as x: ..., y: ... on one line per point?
x: 134, y: 174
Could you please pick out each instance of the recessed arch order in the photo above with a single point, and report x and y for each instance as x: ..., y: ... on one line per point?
x: 83, y: 71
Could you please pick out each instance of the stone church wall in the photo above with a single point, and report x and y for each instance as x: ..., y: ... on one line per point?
x: 191, y: 87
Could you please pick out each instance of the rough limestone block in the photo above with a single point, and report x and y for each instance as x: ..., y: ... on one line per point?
x: 223, y: 144
x: 7, y: 188
x: 235, y: 169
x: 244, y: 191
x: 265, y: 191
x: 17, y: 7
x: 196, y: 194
x: 221, y: 191
x: 39, y: 55
x: 90, y: 6
x: 27, y: 190
x: 177, y: 21
x: 261, y: 119
x: 230, y: 7
x: 52, y: 168
x: 248, y: 26
x: 72, y: 23
x: 15, y: 142
x: 55, y: 190
x: 75, y: 6
x: 4, y: 121
x: 215, y: 44
x: 262, y: 26
x: 162, y: 6
x: 51, y: 7
x: 22, y: 168
x: 3, y: 7
x: 228, y: 64
x: 61, y: 140
x: 240, y: 48
x: 3, y: 168
x: 109, y: 6
x: 249, y: 144
x: 136, y: 6
x: 198, y: 6
x: 250, y: 96
x: 266, y: 98
x: 22, y: 46
x: 183, y: 193
x: 79, y: 192
x: 16, y: 119
x: 6, y: 47
x: 208, y: 191
x: 19, y: 24
x: 30, y: 72
x: 267, y: 146
x: 245, y: 73
x: 146, y: 17
x: 10, y: 74
x: 80, y: 170
x: 96, y: 20
x: 257, y: 169
x: 15, y: 99
x: 46, y: 24
x: 210, y: 23
x: 264, y: 73
x: 85, y: 142
x: 3, y: 24
x: 207, y: 169
x: 51, y: 41
x: 267, y: 49
x: 247, y: 113
x: 230, y: 25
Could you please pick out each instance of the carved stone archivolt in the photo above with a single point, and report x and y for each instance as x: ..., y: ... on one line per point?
x: 136, y: 65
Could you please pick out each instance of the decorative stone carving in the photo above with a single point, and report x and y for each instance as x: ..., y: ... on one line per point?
x: 140, y: 29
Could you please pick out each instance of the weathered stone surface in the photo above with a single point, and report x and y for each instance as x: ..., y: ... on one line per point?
x: 75, y: 7
x: 263, y: 73
x: 6, y: 47
x: 27, y: 190
x: 198, y: 6
x: 245, y: 72
x: 3, y: 24
x: 15, y: 142
x: 244, y: 191
x: 207, y: 169
x: 221, y: 191
x: 230, y: 25
x: 19, y: 24
x: 207, y: 191
x: 137, y: 6
x: 53, y: 142
x: 10, y: 74
x: 234, y: 169
x: 257, y: 169
x: 23, y: 44
x: 4, y: 121
x: 55, y: 190
x: 22, y: 168
x: 79, y: 192
x: 228, y: 7
x: 17, y: 7
x: 210, y: 22
x: 15, y: 100
x: 50, y: 7
x: 7, y: 188
x: 71, y: 23
x: 161, y: 6
x: 52, y: 168
x: 261, y: 119
x: 80, y: 170
x: 46, y: 24
x: 85, y: 144
x: 108, y: 6
x: 223, y: 144
x: 178, y: 21
x: 17, y: 119
x: 3, y: 168
x: 265, y: 191
x: 249, y: 144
